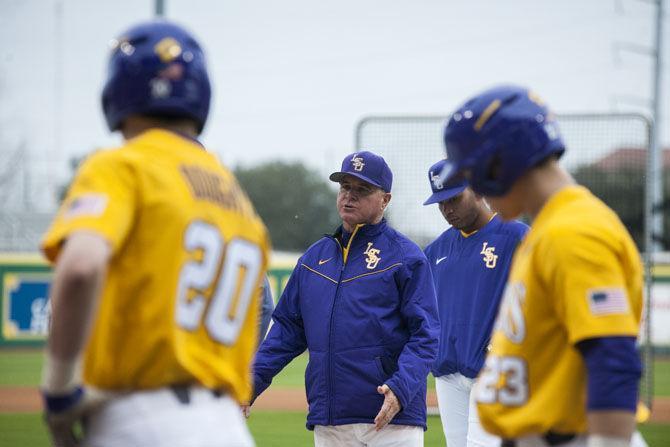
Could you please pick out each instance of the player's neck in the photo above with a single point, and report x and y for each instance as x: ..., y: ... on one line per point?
x: 542, y: 183
x: 136, y: 125
x: 483, y: 217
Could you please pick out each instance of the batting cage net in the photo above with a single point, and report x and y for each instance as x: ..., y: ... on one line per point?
x: 21, y: 231
x: 605, y: 152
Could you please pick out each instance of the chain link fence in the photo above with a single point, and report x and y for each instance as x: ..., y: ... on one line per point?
x: 605, y: 152
x: 22, y: 231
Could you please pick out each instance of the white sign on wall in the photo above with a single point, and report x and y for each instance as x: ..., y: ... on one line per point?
x: 660, y: 314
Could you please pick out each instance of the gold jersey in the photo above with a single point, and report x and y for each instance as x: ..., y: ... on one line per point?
x: 577, y: 275
x: 180, y: 299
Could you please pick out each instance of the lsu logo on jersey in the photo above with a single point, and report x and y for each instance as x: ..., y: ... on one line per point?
x: 490, y: 259
x: 357, y: 163
x: 373, y: 257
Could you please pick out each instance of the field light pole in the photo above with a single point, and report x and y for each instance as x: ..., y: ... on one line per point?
x: 654, y: 195
x: 655, y: 159
x: 159, y: 8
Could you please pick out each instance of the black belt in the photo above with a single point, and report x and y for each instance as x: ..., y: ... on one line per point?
x: 550, y: 438
x: 183, y: 393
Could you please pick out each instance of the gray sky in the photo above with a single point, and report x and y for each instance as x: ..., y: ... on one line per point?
x: 293, y: 77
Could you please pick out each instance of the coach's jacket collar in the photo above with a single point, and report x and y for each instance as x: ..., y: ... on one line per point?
x: 364, y: 230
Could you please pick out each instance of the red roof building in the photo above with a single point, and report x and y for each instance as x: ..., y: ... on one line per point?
x: 631, y: 158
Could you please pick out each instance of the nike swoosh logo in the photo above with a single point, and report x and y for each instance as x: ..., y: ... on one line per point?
x: 323, y: 261
x: 438, y: 260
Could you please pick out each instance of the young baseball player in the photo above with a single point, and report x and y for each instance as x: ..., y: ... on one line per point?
x: 267, y: 306
x: 470, y: 262
x: 159, y: 262
x: 563, y: 367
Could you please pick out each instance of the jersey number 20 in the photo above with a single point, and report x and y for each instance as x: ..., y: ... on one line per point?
x: 236, y: 282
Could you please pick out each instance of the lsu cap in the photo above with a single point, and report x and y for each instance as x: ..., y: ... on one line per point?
x: 442, y: 191
x: 369, y: 167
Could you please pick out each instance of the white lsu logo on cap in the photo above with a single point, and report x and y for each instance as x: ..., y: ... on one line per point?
x: 357, y: 163
x: 437, y: 180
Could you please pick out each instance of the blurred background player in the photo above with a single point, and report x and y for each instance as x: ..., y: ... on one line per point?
x: 563, y: 367
x: 160, y: 258
x: 470, y: 262
x: 267, y: 307
x: 362, y: 302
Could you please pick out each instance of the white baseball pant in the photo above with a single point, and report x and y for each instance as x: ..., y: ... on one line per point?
x: 365, y: 435
x: 581, y: 441
x: 157, y: 418
x: 458, y: 413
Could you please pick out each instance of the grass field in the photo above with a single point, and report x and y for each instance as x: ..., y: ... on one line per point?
x: 22, y: 368
x: 272, y: 429
x: 662, y: 379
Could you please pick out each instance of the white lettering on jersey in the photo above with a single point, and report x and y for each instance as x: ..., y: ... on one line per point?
x: 510, y: 317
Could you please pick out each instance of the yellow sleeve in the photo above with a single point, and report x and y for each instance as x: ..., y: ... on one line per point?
x: 101, y: 199
x: 591, y: 295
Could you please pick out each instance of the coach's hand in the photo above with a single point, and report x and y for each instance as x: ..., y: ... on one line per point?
x: 246, y: 410
x: 62, y: 412
x: 390, y: 408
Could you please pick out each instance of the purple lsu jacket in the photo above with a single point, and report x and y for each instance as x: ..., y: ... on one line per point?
x: 367, y: 314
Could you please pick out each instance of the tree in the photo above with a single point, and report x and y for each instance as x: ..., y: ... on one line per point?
x: 295, y: 202
x: 623, y: 191
x: 74, y: 163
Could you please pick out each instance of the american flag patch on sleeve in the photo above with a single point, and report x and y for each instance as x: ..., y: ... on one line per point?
x: 607, y: 301
x: 92, y: 205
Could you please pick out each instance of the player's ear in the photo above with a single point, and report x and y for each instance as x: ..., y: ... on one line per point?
x: 386, y: 199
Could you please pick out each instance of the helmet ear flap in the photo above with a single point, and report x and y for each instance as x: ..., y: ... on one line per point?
x: 488, y: 175
x: 493, y: 169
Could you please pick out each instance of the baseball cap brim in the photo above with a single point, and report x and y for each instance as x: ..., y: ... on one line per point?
x: 339, y: 176
x: 445, y: 194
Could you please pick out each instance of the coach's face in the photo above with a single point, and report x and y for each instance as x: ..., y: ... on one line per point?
x: 359, y: 202
x: 462, y: 210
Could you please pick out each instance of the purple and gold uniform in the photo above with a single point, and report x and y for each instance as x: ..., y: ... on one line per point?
x: 469, y: 272
x: 187, y: 243
x: 576, y: 276
x: 564, y: 367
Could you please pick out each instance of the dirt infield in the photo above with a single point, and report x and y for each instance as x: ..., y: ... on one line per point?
x: 27, y: 400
